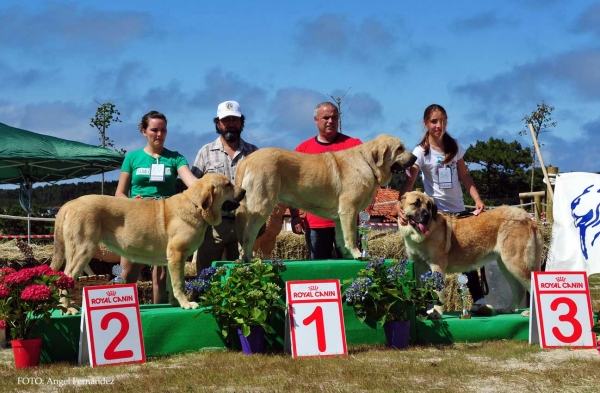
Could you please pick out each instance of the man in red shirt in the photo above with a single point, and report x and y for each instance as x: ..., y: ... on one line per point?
x: 320, y: 232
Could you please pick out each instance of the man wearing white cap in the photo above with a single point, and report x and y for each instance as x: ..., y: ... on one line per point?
x: 222, y: 156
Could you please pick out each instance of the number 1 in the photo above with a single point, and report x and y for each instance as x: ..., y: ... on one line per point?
x: 317, y: 317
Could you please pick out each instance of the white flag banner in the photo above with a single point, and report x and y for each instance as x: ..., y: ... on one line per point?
x: 576, y: 229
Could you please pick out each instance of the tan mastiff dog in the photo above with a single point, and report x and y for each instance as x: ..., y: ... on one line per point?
x: 506, y: 235
x: 154, y: 232
x: 335, y: 185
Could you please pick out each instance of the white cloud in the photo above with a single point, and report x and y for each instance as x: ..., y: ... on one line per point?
x: 60, y: 25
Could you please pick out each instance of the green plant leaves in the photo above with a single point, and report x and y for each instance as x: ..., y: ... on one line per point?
x: 386, y: 291
x: 244, y: 295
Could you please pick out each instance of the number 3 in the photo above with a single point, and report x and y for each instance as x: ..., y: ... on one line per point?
x: 568, y: 317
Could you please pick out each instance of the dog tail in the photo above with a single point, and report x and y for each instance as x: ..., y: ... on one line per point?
x: 58, y: 255
x: 535, y: 248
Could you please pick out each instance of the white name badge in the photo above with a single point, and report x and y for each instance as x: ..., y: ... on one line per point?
x: 445, y: 177
x: 157, y: 172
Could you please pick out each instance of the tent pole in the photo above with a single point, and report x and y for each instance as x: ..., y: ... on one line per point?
x: 25, y: 202
x: 28, y: 229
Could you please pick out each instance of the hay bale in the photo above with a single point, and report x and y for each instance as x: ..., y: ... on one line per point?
x: 144, y: 292
x: 387, y: 244
x: 11, y: 255
x: 289, y: 246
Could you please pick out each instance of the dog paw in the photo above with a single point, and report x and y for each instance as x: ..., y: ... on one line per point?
x: 352, y: 254
x: 71, y: 311
x: 526, y: 313
x: 190, y: 306
x: 434, y: 314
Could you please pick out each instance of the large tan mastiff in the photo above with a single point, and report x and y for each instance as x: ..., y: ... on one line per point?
x: 336, y: 185
x: 154, y: 232
x: 446, y: 244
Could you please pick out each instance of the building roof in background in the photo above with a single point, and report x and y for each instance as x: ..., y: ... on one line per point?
x: 384, y: 205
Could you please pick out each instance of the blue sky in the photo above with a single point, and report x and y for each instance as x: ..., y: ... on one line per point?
x: 487, y: 62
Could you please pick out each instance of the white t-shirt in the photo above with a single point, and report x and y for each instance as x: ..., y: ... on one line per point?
x: 448, y: 196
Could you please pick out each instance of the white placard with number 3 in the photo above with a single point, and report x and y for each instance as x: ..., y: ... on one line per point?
x: 561, y: 311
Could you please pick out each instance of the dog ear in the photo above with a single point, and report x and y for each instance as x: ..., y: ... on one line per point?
x: 379, y: 154
x: 433, y: 209
x: 206, y: 199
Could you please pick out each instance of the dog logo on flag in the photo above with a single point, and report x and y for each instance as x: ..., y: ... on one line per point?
x: 585, y: 210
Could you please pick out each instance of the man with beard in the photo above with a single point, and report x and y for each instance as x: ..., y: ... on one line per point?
x: 222, y: 156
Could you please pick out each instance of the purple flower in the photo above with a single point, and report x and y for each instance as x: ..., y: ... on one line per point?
x: 433, y: 280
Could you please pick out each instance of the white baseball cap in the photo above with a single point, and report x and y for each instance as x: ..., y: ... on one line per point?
x: 229, y: 108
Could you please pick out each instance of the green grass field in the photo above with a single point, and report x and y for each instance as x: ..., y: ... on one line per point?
x: 499, y: 366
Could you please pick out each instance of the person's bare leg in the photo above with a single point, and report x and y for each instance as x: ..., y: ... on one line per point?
x: 159, y: 285
x: 131, y: 271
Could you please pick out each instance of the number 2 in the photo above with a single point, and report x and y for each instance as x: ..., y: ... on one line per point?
x: 110, y: 353
x: 317, y: 317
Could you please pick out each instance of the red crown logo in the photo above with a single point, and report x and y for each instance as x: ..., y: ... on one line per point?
x: 313, y: 287
x: 111, y: 293
x: 561, y: 279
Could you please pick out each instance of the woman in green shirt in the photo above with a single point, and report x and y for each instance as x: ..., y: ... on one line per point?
x: 152, y: 172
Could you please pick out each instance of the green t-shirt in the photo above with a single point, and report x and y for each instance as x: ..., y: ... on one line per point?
x: 138, y: 164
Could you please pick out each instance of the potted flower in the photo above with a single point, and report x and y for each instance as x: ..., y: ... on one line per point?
x: 386, y: 293
x: 244, y: 296
x: 28, y: 296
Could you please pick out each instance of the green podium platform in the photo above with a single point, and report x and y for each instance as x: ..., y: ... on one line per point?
x: 170, y: 330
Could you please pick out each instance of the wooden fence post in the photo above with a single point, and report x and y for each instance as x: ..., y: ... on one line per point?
x: 552, y: 172
x: 538, y: 206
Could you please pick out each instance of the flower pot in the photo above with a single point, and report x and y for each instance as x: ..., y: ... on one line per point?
x: 27, y: 352
x: 255, y: 342
x: 397, y: 334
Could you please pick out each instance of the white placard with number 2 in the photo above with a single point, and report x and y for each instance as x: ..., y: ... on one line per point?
x: 111, y: 330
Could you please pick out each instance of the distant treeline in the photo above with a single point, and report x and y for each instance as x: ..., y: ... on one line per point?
x: 56, y: 195
x: 44, y: 200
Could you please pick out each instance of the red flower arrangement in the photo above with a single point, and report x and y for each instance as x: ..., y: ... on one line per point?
x: 28, y: 296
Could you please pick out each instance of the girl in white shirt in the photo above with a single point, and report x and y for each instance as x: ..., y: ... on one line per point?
x: 443, y: 169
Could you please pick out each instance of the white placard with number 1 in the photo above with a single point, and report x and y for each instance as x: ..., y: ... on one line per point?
x: 561, y: 310
x: 111, y: 330
x: 316, y: 320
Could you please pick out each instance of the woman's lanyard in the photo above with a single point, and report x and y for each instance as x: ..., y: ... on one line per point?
x: 444, y: 175
x: 157, y: 171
